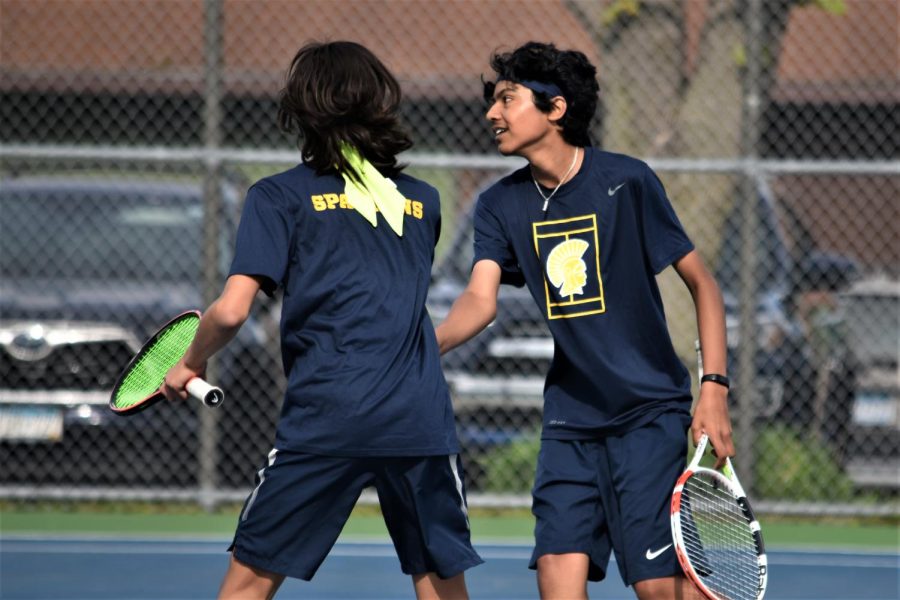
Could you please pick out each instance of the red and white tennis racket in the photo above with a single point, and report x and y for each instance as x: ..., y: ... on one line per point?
x: 717, y: 539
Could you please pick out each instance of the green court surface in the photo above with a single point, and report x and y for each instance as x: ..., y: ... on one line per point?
x: 366, y: 522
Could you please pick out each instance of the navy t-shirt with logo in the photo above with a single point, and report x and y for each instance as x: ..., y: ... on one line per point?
x: 591, y: 263
x: 358, y: 347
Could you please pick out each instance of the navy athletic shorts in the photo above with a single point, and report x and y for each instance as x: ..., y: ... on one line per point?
x: 301, y: 502
x: 612, y: 494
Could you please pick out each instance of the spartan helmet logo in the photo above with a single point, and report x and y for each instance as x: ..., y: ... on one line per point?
x: 565, y: 268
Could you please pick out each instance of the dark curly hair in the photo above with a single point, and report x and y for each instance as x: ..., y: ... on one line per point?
x: 570, y: 70
x: 340, y: 92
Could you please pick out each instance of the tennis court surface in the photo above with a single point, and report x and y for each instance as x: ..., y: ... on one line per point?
x: 73, y: 568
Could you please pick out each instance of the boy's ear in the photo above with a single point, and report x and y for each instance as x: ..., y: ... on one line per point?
x: 559, y: 109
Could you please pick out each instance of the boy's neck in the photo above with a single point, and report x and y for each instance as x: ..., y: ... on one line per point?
x: 549, y: 163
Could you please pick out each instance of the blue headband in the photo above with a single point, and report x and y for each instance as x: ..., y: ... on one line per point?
x: 551, y: 89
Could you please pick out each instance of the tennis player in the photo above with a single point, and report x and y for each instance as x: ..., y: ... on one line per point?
x: 350, y: 240
x: 588, y: 231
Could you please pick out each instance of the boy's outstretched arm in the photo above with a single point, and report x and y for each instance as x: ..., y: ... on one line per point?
x: 218, y: 325
x: 711, y: 413
x: 475, y: 308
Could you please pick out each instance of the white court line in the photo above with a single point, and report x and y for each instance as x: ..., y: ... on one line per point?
x: 840, y: 560
x: 154, y: 547
x: 365, y: 548
x: 106, y: 548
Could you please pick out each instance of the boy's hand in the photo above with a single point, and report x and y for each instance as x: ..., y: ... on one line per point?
x: 711, y: 417
x: 176, y: 380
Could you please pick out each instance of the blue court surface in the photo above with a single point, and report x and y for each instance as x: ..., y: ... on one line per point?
x: 125, y: 569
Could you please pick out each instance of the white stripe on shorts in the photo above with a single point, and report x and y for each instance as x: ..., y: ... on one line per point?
x: 262, y: 478
x: 459, y: 490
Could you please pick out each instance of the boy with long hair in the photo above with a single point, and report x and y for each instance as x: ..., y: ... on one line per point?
x: 588, y: 231
x: 350, y: 240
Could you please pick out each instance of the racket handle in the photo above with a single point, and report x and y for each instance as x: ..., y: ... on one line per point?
x: 210, y: 395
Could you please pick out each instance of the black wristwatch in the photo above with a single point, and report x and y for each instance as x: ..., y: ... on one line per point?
x: 716, y: 378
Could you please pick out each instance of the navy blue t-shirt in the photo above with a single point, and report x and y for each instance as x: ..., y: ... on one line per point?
x: 359, y: 350
x: 591, y: 264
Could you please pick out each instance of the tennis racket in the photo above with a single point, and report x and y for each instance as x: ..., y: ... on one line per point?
x: 717, y: 539
x: 138, y: 387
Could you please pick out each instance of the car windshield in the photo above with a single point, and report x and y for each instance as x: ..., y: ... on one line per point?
x: 99, y: 234
x: 772, y: 258
x: 457, y: 260
x: 873, y: 322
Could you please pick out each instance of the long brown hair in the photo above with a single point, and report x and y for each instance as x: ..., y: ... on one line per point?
x: 340, y: 92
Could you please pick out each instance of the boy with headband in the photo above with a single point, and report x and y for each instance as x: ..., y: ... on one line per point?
x: 588, y: 231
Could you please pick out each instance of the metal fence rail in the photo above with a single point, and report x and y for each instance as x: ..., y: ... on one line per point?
x: 286, y: 158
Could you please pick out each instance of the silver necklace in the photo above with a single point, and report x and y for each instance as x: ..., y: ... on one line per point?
x: 558, y: 185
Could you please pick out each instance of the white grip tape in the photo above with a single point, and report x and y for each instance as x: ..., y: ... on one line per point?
x: 210, y: 395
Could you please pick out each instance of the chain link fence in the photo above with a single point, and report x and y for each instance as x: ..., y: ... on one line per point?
x: 131, y: 129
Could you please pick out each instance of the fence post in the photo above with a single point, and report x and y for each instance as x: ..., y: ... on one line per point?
x: 212, y: 211
x: 746, y: 380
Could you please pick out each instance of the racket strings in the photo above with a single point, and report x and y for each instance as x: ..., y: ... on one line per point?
x: 146, y: 375
x: 717, y: 539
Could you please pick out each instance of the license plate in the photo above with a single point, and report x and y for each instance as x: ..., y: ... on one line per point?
x: 34, y: 423
x: 875, y: 409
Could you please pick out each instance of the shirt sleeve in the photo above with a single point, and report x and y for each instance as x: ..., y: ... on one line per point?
x: 492, y: 243
x: 263, y: 244
x: 664, y: 238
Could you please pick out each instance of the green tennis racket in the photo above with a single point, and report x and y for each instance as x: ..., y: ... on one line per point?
x: 138, y: 387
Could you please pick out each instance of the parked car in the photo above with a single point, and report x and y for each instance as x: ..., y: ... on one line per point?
x: 804, y: 371
x: 871, y: 309
x: 497, y: 377
x: 90, y: 268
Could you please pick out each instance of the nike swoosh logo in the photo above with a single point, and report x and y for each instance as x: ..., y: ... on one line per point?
x: 651, y: 554
x: 612, y: 191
